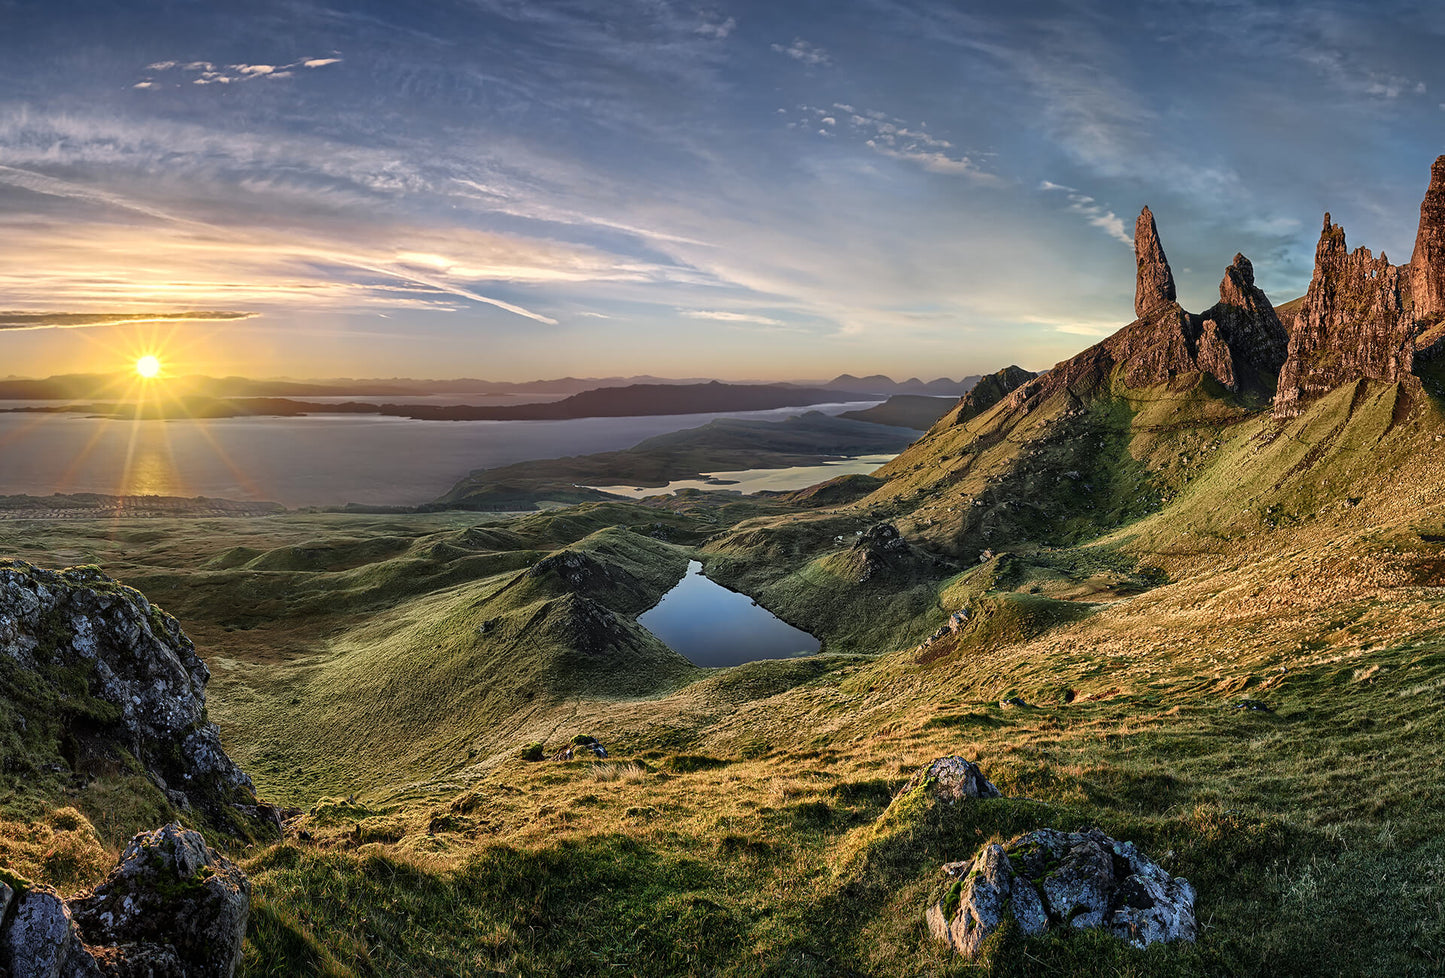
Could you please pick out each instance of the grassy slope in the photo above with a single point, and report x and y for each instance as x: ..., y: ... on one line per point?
x: 1214, y: 561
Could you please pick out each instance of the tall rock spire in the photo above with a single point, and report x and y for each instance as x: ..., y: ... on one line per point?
x: 1154, y: 285
x: 1427, y: 266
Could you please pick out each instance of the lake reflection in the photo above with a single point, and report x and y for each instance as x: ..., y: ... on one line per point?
x: 713, y: 626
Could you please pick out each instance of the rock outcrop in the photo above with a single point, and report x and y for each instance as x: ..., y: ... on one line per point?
x: 1427, y: 264
x: 986, y: 393
x: 172, y: 908
x: 1049, y: 879
x: 127, y: 680
x: 1241, y: 341
x: 1355, y: 323
x: 951, y: 779
x: 1154, y: 282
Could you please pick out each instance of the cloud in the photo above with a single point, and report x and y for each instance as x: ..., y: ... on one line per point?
x: 808, y: 54
x: 1092, y: 212
x: 717, y: 30
x: 895, y: 138
x: 207, y: 73
x: 80, y: 320
x: 731, y: 317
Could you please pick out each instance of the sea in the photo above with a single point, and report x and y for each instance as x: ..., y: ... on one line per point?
x: 317, y: 460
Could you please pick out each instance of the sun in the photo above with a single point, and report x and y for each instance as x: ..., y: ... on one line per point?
x: 148, y: 366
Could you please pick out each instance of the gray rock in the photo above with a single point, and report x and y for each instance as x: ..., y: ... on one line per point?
x: 7, y: 896
x: 41, y: 940
x: 1048, y: 879
x: 951, y: 779
x: 172, y: 903
x: 133, y: 657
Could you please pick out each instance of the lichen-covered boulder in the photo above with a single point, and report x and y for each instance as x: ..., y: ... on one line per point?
x: 951, y: 779
x: 40, y: 939
x: 132, y: 683
x: 173, y: 903
x: 1062, y: 879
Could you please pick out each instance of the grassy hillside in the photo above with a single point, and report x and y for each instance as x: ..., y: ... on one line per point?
x: 1220, y: 636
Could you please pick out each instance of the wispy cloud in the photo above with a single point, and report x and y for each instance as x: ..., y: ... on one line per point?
x: 731, y: 317
x: 718, y: 29
x: 1093, y: 213
x: 892, y: 137
x: 208, y: 73
x: 801, y: 51
x: 80, y: 320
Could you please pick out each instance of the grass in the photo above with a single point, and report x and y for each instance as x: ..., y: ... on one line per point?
x: 387, y: 674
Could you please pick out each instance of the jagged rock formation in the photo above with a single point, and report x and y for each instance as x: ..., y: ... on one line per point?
x: 1355, y: 323
x: 1049, y: 879
x: 121, y: 676
x: 1241, y: 340
x: 1427, y: 264
x: 172, y: 908
x: 1154, y: 282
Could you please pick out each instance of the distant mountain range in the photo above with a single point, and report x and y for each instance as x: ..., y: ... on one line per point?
x: 105, y: 386
x: 879, y: 384
x: 635, y: 400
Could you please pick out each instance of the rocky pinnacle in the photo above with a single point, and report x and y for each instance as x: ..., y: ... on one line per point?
x: 1427, y: 265
x: 1155, y: 283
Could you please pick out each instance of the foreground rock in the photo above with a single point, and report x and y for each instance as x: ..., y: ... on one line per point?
x: 1048, y: 879
x: 951, y: 779
x: 127, y: 679
x: 172, y: 908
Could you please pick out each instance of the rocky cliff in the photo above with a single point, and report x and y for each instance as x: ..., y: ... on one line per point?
x: 1364, y: 318
x: 1356, y: 322
x: 95, y: 681
x: 1427, y: 264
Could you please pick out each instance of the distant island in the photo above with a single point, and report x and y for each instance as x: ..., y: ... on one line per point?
x: 103, y: 387
x: 636, y: 400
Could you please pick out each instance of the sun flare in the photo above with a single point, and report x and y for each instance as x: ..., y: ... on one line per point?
x: 148, y: 366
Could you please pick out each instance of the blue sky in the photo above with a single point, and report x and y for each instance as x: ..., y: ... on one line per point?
x: 515, y: 189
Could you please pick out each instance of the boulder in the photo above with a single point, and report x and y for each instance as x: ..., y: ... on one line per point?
x: 951, y: 779
x: 1049, y: 879
x: 41, y: 940
x: 172, y: 908
x: 144, y: 683
x: 581, y: 746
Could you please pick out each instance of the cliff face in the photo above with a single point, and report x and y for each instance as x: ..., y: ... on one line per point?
x: 1427, y: 264
x: 1356, y: 323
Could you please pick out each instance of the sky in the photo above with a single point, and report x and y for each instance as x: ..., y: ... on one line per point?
x: 515, y: 189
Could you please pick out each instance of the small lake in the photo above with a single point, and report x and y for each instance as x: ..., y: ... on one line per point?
x: 713, y: 626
